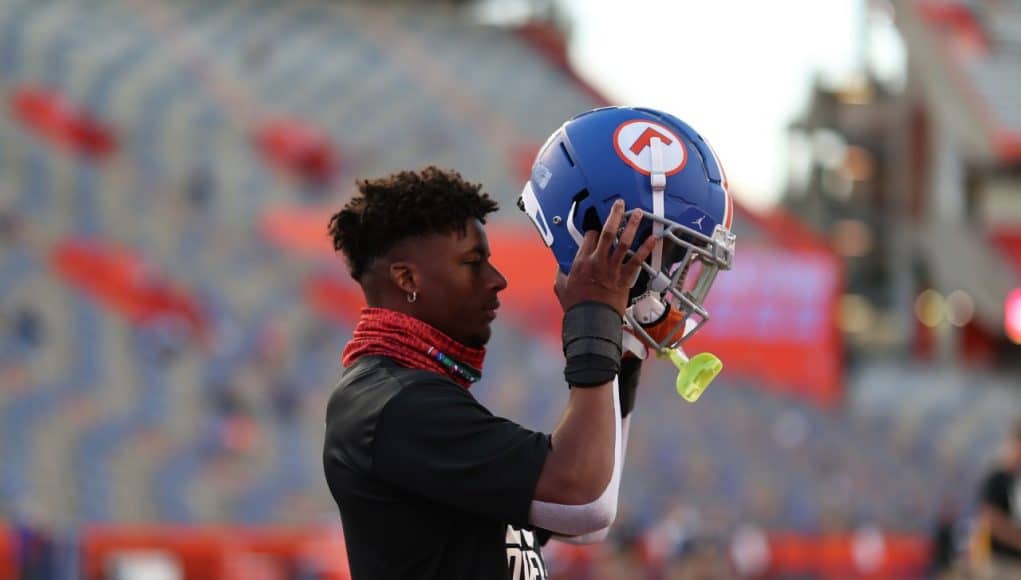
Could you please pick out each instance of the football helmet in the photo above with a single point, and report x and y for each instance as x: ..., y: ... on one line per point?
x: 660, y: 167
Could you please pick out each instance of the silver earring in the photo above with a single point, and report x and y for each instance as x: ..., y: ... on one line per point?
x: 413, y: 296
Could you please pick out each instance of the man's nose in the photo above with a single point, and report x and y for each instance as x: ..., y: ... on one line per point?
x: 499, y: 281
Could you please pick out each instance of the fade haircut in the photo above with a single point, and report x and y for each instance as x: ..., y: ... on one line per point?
x: 405, y: 204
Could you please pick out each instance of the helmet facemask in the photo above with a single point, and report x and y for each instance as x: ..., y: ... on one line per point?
x: 667, y: 299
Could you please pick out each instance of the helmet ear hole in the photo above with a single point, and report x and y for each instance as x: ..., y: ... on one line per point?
x: 591, y: 221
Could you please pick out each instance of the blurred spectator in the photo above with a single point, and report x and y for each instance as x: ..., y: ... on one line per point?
x: 1000, y: 499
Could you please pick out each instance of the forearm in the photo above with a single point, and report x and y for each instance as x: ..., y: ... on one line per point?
x: 576, y: 523
x: 580, y: 462
x: 601, y: 534
x: 572, y: 518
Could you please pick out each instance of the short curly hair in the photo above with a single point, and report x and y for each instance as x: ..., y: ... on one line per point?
x: 405, y: 204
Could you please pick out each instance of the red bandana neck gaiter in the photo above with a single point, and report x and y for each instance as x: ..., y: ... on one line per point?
x: 413, y: 344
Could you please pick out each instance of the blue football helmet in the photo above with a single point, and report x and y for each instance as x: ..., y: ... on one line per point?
x: 660, y: 167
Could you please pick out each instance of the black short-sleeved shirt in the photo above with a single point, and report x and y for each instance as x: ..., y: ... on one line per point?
x: 429, y: 483
x: 1001, y: 490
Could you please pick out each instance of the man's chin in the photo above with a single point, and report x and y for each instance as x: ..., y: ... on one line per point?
x: 479, y: 339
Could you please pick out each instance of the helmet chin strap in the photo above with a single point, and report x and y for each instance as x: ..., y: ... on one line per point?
x: 650, y: 307
x: 658, y: 177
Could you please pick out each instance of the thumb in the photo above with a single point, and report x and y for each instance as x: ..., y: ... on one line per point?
x: 559, y: 281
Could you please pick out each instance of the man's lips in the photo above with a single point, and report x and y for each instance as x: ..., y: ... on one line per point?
x: 491, y: 308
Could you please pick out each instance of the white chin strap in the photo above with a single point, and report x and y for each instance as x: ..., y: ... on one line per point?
x: 658, y: 177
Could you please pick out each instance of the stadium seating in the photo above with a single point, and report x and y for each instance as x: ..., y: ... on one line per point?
x: 106, y: 420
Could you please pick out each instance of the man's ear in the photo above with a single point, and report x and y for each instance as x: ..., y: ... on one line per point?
x: 405, y: 276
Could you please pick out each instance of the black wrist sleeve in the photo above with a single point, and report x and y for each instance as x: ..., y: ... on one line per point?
x: 630, y: 372
x: 592, y: 335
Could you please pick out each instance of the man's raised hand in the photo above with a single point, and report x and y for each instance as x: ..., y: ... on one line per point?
x: 601, y: 271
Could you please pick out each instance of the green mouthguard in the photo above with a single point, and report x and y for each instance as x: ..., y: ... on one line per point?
x: 694, y: 374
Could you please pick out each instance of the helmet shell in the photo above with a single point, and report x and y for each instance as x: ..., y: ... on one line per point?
x: 606, y: 154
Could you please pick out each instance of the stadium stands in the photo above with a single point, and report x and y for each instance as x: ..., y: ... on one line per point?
x: 103, y: 419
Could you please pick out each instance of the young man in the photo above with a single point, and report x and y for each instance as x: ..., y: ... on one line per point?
x: 429, y: 483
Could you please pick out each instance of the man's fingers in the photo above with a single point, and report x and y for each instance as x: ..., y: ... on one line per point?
x: 627, y: 236
x: 645, y: 249
x: 609, y: 233
x: 588, y: 243
x: 635, y: 262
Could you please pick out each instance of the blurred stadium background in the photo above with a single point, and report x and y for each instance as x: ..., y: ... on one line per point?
x: 172, y: 313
